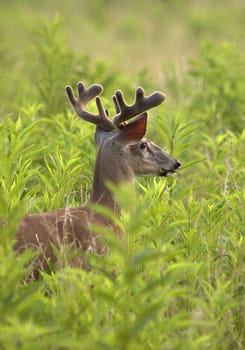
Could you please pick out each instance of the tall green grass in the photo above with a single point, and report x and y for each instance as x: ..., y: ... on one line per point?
x: 178, y: 283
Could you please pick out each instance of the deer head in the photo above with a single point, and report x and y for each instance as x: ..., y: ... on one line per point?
x: 124, y: 152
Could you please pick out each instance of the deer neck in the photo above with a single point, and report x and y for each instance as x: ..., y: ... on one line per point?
x: 108, y: 170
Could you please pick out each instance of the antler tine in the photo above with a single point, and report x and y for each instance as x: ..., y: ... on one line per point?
x: 124, y: 112
x: 83, y: 97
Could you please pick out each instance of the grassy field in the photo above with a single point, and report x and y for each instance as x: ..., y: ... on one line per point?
x: 180, y: 279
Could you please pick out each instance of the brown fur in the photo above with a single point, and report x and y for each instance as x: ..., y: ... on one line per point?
x: 63, y: 228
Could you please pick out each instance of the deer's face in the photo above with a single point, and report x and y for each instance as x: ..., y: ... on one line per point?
x: 146, y: 158
x: 142, y: 158
x: 128, y: 149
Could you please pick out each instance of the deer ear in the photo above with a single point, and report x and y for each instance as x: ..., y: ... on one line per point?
x: 134, y: 131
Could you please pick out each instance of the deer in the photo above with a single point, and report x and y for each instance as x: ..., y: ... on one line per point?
x: 123, y: 153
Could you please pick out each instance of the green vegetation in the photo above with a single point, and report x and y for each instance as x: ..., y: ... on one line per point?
x: 179, y: 283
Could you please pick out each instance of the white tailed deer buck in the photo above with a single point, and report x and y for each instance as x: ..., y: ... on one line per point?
x: 123, y: 153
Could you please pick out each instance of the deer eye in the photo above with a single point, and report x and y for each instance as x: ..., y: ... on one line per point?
x: 143, y: 145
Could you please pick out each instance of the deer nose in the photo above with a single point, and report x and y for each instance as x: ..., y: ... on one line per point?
x: 177, y: 164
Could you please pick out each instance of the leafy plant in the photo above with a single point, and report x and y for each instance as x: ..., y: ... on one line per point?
x: 178, y: 281
x: 219, y: 87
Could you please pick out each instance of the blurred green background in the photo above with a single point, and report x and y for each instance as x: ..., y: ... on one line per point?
x: 180, y: 282
x: 133, y: 36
